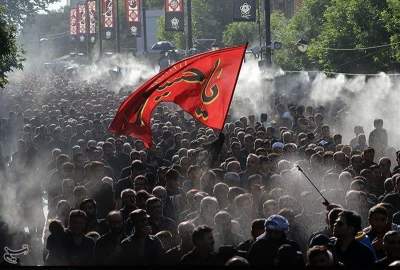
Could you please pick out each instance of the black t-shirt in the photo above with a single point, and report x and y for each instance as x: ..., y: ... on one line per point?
x: 357, y: 256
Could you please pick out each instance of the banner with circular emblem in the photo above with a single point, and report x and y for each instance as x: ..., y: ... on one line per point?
x: 133, y: 9
x: 244, y: 10
x: 174, y: 16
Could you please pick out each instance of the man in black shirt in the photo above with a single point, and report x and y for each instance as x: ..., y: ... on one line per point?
x: 391, y: 245
x: 265, y: 249
x: 141, y: 248
x: 79, y: 248
x: 109, y: 245
x: 203, y: 252
x: 347, y: 250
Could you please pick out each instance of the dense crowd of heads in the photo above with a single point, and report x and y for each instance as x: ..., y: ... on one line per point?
x: 110, y: 201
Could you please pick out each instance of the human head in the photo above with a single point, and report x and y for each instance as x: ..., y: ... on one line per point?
x: 378, y: 219
x: 203, y: 239
x: 208, y: 207
x: 89, y: 207
x: 347, y: 225
x: 77, y: 222
x: 378, y: 123
x: 115, y: 222
x: 319, y: 256
x: 185, y: 231
x: 276, y: 226
x: 154, y: 207
x: 391, y: 244
x: 270, y: 207
x: 257, y: 228
x: 223, y: 221
x: 140, y: 221
x: 128, y: 198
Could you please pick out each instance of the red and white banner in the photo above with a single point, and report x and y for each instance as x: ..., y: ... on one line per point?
x: 73, y: 27
x: 108, y: 14
x: 133, y: 8
x: 82, y: 18
x: 91, y: 8
x: 174, y: 6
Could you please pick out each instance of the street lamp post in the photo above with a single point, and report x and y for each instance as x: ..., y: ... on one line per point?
x: 144, y: 28
x: 267, y: 14
x: 100, y: 14
x: 117, y: 29
x: 189, y: 40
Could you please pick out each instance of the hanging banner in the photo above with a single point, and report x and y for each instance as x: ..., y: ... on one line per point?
x: 174, y: 15
x: 133, y: 8
x: 173, y: 5
x: 91, y: 8
x: 73, y: 27
x: 82, y: 18
x: 108, y: 18
x: 244, y: 10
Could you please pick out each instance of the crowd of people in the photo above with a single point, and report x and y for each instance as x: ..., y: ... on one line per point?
x: 111, y: 201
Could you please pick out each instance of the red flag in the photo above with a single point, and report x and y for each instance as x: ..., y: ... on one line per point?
x: 202, y: 85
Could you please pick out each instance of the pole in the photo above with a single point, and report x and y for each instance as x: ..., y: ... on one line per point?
x: 100, y: 20
x: 259, y: 26
x: 267, y: 14
x: 144, y: 28
x: 326, y: 202
x: 117, y: 28
x: 189, y: 40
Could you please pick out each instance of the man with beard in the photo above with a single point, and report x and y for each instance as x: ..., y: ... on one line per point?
x: 108, y: 246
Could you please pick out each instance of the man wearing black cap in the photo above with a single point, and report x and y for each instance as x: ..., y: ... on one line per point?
x: 264, y: 251
x: 141, y: 248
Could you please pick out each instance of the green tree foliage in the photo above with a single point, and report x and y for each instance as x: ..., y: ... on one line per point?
x: 154, y: 4
x: 10, y: 56
x: 18, y: 11
x: 352, y: 24
x: 238, y: 33
x: 306, y: 24
x: 391, y: 17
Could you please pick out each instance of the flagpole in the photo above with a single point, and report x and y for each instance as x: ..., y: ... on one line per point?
x: 234, y: 86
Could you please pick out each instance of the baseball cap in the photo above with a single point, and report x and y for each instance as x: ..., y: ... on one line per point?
x: 277, y: 223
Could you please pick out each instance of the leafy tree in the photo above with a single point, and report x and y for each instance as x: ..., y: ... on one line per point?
x: 18, y: 11
x: 306, y: 24
x: 10, y: 56
x: 154, y: 3
x: 352, y: 24
x: 237, y: 33
x: 391, y: 17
